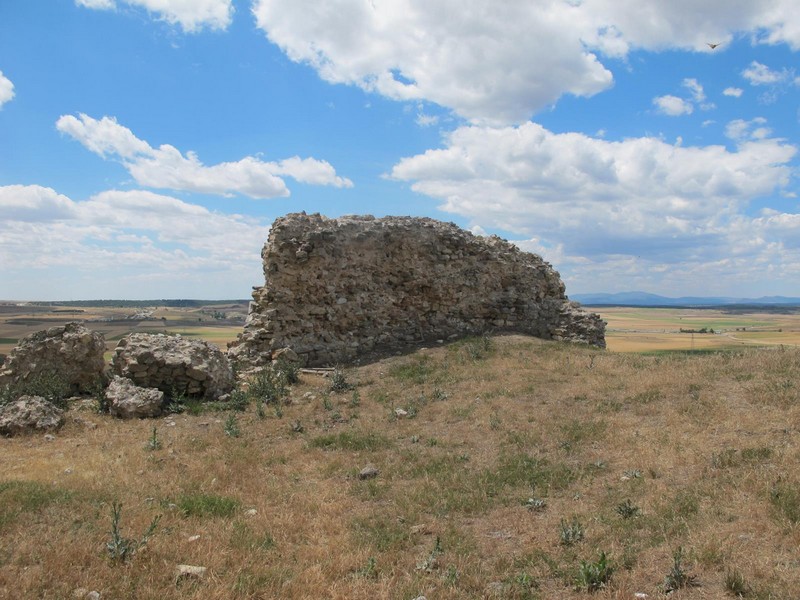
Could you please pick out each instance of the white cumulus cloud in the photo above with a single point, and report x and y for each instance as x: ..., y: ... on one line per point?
x: 500, y: 63
x: 754, y: 129
x: 734, y: 92
x: 638, y: 196
x: 133, y: 242
x: 191, y: 15
x: 657, y: 215
x: 167, y: 168
x: 6, y: 89
x: 34, y: 203
x: 759, y: 74
x: 488, y: 62
x: 698, y: 94
x: 673, y: 106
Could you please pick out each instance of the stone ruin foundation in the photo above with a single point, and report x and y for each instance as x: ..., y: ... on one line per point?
x: 337, y: 289
x: 71, y: 353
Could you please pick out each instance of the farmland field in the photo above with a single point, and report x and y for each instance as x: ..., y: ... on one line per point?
x: 636, y: 329
x: 217, y: 323
x: 630, y: 329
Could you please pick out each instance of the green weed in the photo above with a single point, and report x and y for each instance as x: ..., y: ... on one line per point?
x: 207, y: 505
x: 339, y: 381
x: 268, y: 386
x: 232, y: 426
x: 678, y: 578
x: 571, y: 533
x: 121, y: 549
x: 351, y: 440
x: 153, y: 443
x: 736, y: 584
x: 627, y: 509
x: 594, y: 576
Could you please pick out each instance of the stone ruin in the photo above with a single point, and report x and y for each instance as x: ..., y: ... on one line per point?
x: 150, y: 368
x: 337, y: 289
x: 174, y: 365
x: 71, y: 352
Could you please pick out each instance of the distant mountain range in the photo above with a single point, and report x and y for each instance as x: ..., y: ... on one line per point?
x: 645, y: 299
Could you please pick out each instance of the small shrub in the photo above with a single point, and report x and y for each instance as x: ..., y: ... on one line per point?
x: 239, y: 400
x: 232, y: 426
x: 121, y: 549
x: 98, y: 393
x: 153, y: 443
x: 268, y: 386
x: 536, y: 504
x: 571, y: 533
x: 627, y: 509
x: 50, y: 385
x: 176, y: 402
x: 297, y: 427
x: 594, y: 576
x: 735, y: 584
x: 522, y: 586
x: 290, y: 370
x: 339, y: 381
x: 678, y: 578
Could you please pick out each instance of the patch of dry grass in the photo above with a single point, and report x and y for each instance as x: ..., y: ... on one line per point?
x: 704, y: 448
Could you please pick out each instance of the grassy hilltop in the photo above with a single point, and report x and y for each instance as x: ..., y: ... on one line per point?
x: 515, y: 468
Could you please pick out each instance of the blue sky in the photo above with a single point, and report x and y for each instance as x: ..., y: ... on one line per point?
x: 147, y: 145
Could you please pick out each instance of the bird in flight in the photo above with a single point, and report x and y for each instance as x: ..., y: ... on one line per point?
x: 712, y: 46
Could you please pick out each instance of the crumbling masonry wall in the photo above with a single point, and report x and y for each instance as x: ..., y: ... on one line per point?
x: 340, y: 288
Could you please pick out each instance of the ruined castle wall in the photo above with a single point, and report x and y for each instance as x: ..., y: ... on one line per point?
x: 339, y: 288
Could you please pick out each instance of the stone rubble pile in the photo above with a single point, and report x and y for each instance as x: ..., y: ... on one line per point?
x: 127, y: 400
x: 174, y: 365
x: 341, y: 288
x: 28, y: 414
x: 71, y: 352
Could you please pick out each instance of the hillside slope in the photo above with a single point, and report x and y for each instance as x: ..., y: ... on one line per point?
x: 503, y: 465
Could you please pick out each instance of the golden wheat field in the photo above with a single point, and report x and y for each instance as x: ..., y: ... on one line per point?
x: 516, y: 468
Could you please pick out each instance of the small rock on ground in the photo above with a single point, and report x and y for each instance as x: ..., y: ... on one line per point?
x: 368, y: 472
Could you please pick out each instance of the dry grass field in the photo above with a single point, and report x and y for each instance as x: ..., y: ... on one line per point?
x: 658, y: 329
x: 517, y: 464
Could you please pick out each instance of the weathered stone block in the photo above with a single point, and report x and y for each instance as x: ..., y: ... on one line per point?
x: 174, y: 365
x: 70, y: 352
